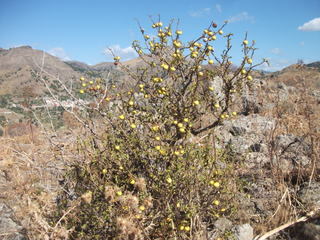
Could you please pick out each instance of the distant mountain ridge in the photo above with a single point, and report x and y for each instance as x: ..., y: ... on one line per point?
x: 18, y: 65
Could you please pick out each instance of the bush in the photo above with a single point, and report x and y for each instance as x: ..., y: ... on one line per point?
x: 148, y: 167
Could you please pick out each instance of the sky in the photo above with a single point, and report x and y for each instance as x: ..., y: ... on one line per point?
x: 285, y: 31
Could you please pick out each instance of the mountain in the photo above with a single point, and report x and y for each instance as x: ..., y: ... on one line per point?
x: 314, y: 65
x: 18, y: 68
x: 297, y: 75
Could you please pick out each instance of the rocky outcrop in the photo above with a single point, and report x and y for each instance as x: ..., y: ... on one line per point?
x: 9, y: 229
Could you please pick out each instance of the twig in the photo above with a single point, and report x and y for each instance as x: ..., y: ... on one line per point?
x: 284, y: 226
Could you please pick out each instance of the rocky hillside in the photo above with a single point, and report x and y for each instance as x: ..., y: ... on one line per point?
x: 19, y: 66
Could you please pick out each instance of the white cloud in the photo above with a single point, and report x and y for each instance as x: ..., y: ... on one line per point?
x: 200, y: 13
x: 243, y: 16
x: 126, y: 53
x: 275, y: 64
x: 313, y: 25
x: 218, y: 8
x: 59, y: 53
x: 276, y: 51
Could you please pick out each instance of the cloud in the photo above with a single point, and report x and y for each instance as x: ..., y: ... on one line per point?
x: 301, y: 43
x: 312, y: 25
x: 276, y: 64
x: 200, y: 13
x: 218, y: 8
x: 276, y: 51
x: 243, y: 16
x: 59, y: 53
x: 126, y: 53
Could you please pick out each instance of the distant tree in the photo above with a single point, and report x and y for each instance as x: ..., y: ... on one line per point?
x: 300, y: 62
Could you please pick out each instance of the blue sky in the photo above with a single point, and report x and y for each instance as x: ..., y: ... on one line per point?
x: 284, y: 30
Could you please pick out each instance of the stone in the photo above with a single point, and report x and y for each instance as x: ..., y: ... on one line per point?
x: 8, y: 227
x: 310, y: 195
x: 243, y: 232
x: 223, y: 224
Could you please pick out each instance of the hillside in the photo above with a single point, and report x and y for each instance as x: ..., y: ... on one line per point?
x: 18, y: 68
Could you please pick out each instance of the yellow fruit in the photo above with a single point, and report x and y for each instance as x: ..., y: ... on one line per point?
x: 117, y: 147
x: 82, y: 78
x: 180, y: 125
x: 165, y: 66
x: 243, y: 71
x: 216, y: 184
x: 172, y: 69
x: 177, y: 43
x: 210, y: 61
x: 234, y: 113
x: 210, y: 48
x: 216, y: 202
x: 155, y: 128
x: 179, y: 32
x: 249, y: 78
x: 182, y: 130
x: 119, y: 193
x: 133, y: 126
x: 196, y: 102
x: 249, y: 60
x: 187, y: 228
x: 176, y: 153
x: 245, y: 42
x: 214, y: 37
x: 142, y: 208
x: 220, y: 32
x: 81, y: 91
x: 211, y: 182
x: 200, y: 74
x: 122, y: 117
x: 211, y: 88
x: 91, y: 82
x: 181, y: 228
x: 157, y: 148
x: 104, y: 171
x: 146, y: 37
x: 141, y: 85
x: 131, y: 103
x: 169, y: 180
x: 117, y: 58
x: 132, y: 181
x: 186, y: 119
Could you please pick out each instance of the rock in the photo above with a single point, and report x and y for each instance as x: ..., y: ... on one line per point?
x: 250, y: 105
x: 310, y: 195
x: 223, y: 224
x: 307, y: 230
x: 255, y: 147
x: 292, y: 152
x: 8, y: 227
x: 237, y: 131
x: 243, y: 232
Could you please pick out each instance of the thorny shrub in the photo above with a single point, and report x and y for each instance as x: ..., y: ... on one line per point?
x: 146, y: 169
